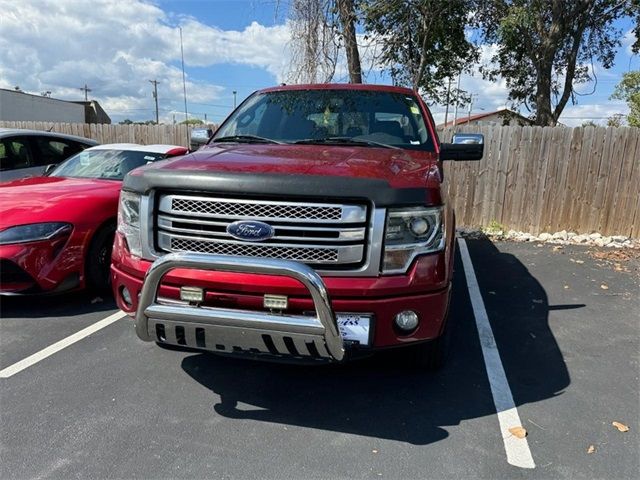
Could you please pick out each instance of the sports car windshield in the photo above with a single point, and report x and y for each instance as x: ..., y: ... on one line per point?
x: 341, y: 117
x: 105, y: 164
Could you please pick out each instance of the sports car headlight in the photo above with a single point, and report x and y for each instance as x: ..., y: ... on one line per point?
x: 411, y: 232
x: 34, y: 232
x: 129, y: 221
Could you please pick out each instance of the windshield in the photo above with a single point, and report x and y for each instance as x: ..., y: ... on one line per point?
x: 325, y: 116
x: 106, y: 164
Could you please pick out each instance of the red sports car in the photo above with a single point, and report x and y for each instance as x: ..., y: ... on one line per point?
x: 56, y: 231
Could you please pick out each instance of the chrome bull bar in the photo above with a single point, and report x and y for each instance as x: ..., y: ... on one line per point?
x: 231, y: 330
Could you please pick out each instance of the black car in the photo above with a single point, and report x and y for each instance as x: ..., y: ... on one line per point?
x: 26, y: 153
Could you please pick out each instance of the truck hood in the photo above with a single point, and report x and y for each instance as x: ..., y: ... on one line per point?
x: 382, y: 175
x: 54, y: 199
x: 399, y: 168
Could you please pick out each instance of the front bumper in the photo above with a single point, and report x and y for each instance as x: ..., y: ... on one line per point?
x: 41, y: 266
x: 383, y: 297
x: 232, y: 330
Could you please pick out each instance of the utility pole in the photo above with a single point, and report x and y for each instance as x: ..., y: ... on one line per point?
x: 446, y: 112
x: 234, y: 99
x: 155, y: 96
x: 86, y: 91
x: 184, y: 81
x: 455, y: 112
x: 470, y: 107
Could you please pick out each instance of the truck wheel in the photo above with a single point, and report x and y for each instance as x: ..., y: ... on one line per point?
x: 99, y: 258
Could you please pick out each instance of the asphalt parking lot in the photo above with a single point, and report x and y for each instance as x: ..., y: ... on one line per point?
x: 565, y: 321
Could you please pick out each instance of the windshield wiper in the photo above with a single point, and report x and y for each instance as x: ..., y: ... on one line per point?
x: 245, y: 139
x: 344, y: 141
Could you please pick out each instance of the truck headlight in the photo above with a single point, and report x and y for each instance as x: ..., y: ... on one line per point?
x: 129, y: 221
x: 411, y: 232
x: 34, y: 232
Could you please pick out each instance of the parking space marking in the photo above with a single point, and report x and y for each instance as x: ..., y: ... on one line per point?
x: 517, y: 449
x: 56, y: 347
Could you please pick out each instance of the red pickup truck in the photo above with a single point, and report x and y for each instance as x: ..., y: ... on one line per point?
x: 311, y: 227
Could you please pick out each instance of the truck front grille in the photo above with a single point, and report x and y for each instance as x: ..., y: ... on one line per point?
x: 328, y: 235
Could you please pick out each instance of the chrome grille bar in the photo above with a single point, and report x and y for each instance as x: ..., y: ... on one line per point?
x: 242, y: 209
x: 314, y: 233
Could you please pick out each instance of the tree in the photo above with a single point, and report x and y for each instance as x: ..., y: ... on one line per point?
x: 347, y: 14
x: 192, y: 121
x: 589, y: 123
x: 545, y: 47
x: 423, y: 42
x: 634, y: 11
x: 319, y: 29
x: 629, y: 90
x: 127, y: 121
x: 615, y: 120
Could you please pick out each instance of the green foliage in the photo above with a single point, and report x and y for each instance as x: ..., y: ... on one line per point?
x: 634, y: 11
x: 615, y: 120
x: 494, y: 228
x: 192, y: 121
x: 127, y: 121
x: 423, y: 41
x: 629, y: 90
x: 545, y: 47
x: 589, y: 123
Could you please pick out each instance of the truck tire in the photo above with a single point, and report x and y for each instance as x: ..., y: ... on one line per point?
x: 99, y: 258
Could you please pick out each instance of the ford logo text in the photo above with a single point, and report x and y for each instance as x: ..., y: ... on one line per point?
x: 250, y: 231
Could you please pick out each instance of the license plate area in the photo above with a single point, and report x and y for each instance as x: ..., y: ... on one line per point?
x: 355, y: 328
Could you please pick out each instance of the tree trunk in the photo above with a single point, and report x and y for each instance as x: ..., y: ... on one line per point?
x: 544, y: 114
x: 347, y: 19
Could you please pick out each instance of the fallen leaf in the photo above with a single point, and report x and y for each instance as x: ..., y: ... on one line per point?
x: 620, y: 426
x: 579, y: 261
x: 604, y: 287
x: 374, y: 451
x: 591, y: 449
x: 518, y: 432
x: 557, y: 248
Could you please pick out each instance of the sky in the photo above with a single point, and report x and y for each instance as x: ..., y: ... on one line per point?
x: 116, y: 47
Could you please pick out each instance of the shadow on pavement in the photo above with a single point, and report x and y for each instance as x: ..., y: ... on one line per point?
x: 58, y: 305
x: 382, y: 398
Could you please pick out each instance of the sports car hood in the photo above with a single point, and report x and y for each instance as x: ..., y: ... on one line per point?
x: 328, y: 170
x: 54, y: 199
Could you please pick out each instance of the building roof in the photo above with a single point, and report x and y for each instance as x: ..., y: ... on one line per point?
x: 24, y: 131
x: 480, y: 116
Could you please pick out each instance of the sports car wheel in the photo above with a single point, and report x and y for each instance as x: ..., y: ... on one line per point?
x: 99, y: 258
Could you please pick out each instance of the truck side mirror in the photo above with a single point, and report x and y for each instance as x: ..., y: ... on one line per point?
x: 49, y: 168
x: 464, y: 146
x: 199, y: 136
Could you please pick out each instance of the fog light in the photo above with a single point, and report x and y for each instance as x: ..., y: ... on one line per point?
x: 191, y: 294
x: 275, y: 302
x: 407, y: 320
x: 126, y: 296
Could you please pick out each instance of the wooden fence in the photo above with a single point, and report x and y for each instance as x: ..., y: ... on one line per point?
x: 103, y: 133
x: 536, y: 180
x: 531, y: 179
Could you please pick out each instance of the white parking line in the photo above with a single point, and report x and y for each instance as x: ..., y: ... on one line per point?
x: 56, y: 347
x: 518, y: 453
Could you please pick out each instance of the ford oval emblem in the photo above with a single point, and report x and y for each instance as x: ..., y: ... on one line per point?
x: 250, y: 231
